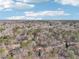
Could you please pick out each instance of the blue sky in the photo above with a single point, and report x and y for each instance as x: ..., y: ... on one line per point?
x: 39, y: 9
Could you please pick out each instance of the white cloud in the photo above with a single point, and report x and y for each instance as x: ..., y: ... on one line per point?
x: 22, y: 5
x: 19, y: 3
x: 9, y: 4
x: 16, y: 17
x: 6, y: 3
x: 69, y: 2
x: 33, y: 1
x: 39, y: 15
x: 23, y: 18
x: 46, y: 13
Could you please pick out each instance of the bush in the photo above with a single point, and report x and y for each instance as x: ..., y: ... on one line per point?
x: 71, y: 54
x: 4, y: 39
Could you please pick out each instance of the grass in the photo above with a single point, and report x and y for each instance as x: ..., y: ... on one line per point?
x: 77, y: 36
x: 2, y: 50
x: 33, y: 31
x: 1, y: 28
x: 10, y: 57
x: 25, y: 43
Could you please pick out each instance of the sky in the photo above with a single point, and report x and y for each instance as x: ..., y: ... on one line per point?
x: 39, y: 9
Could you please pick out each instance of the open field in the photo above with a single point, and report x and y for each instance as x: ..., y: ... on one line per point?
x: 39, y: 39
